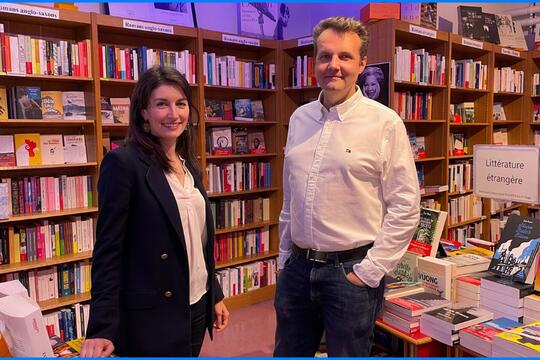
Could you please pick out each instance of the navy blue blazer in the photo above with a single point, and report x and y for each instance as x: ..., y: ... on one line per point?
x: 140, y: 277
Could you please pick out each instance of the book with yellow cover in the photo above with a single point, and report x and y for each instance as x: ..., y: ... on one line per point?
x: 523, y: 340
x: 51, y: 105
x: 27, y: 149
x: 3, y: 104
x: 475, y: 250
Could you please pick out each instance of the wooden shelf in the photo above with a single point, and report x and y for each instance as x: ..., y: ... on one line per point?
x: 45, y: 123
x: 430, y: 194
x: 246, y: 259
x: 40, y: 167
x: 427, y: 122
x: 427, y: 159
x: 457, y: 157
x: 245, y: 227
x: 458, y: 193
x: 128, y: 82
x: 114, y: 127
x: 47, y: 215
x: 416, y: 339
x: 251, y: 297
x: 467, y: 222
x: 507, y: 122
x: 468, y: 90
x: 63, y: 301
x: 468, y: 124
x: 302, y: 88
x: 239, y: 123
x: 507, y: 93
x: 241, y: 193
x: 28, y: 265
x: 418, y: 85
x: 534, y: 207
x: 216, y: 87
x: 516, y: 206
x: 27, y: 77
x: 239, y: 156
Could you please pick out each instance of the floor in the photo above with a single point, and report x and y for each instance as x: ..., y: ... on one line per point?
x: 250, y: 333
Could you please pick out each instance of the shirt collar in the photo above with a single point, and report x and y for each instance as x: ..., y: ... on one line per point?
x: 341, y: 109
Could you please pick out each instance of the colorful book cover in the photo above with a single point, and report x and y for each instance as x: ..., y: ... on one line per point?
x: 527, y: 336
x: 120, y: 109
x: 74, y: 105
x: 428, y: 232
x: 240, y: 140
x: 213, y: 109
x: 7, y: 151
x: 428, y: 17
x: 516, y: 251
x: 487, y: 330
x: 52, y: 149
x: 258, y: 110
x: 407, y: 268
x: 28, y: 102
x: 221, y: 141
x: 3, y: 104
x: 51, y: 105
x: 243, y: 110
x: 27, y: 149
x: 256, y: 142
x: 106, y: 111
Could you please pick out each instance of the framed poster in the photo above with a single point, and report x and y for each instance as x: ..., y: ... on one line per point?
x: 258, y: 19
x: 374, y: 82
x: 177, y: 13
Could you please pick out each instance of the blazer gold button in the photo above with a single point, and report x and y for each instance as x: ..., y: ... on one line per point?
x: 167, y: 294
x: 164, y: 256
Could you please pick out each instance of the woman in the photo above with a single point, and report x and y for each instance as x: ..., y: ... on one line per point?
x: 154, y: 290
x: 371, y: 80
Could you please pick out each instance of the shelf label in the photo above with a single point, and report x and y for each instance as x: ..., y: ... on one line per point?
x: 240, y: 40
x: 146, y: 26
x: 20, y: 9
x: 472, y: 43
x: 305, y: 41
x: 511, y: 52
x: 422, y: 31
x: 507, y: 172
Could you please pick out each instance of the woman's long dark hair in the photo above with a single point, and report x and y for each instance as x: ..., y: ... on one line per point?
x: 150, y: 144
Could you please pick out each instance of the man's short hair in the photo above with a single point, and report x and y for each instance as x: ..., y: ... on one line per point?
x: 342, y: 25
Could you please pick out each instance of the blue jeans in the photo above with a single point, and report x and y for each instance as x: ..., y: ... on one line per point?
x: 312, y: 297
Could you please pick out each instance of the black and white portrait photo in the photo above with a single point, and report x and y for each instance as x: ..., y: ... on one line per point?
x: 374, y: 82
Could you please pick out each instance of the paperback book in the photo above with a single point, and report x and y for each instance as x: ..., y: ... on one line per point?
x: 428, y: 232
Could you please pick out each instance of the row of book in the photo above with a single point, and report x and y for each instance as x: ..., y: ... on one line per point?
x: 419, y: 66
x: 302, y: 73
x: 241, y: 243
x: 413, y: 106
x: 42, y: 149
x: 35, y: 195
x: 46, y: 240
x: 462, y: 233
x: 462, y: 112
x: 458, y: 144
x: 30, y: 102
x: 238, y: 212
x: 54, y: 282
x: 244, y: 109
x: 127, y: 63
x: 237, y: 140
x: 469, y: 74
x: 242, y: 279
x: 464, y: 208
x: 26, y: 55
x: 67, y: 324
x: 460, y: 176
x: 238, y: 176
x: 230, y: 71
x: 506, y: 79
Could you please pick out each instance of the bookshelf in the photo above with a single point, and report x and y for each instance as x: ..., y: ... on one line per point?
x: 71, y: 27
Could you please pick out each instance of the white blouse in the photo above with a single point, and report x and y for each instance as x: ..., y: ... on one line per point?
x: 192, y: 210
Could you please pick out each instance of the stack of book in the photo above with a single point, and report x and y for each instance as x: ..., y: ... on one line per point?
x: 468, y: 289
x: 479, y: 337
x: 503, y: 297
x: 443, y: 324
x: 521, y: 341
x: 531, y: 309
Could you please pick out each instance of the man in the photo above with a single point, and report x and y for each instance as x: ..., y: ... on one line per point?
x: 351, y: 204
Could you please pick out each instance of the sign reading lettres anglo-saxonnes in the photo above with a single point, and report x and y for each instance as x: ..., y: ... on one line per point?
x: 507, y: 172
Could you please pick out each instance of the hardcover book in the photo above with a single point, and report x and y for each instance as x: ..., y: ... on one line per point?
x: 491, y: 32
x: 120, y: 109
x: 243, y: 110
x: 28, y: 102
x: 213, y: 109
x: 27, y: 149
x: 74, y: 149
x: 515, y: 256
x: 7, y: 151
x: 256, y: 142
x: 51, y: 105
x: 52, y: 149
x: 471, y: 22
x: 428, y: 232
x: 74, y: 105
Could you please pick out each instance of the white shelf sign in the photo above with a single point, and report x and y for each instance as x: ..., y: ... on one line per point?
x: 305, y: 41
x: 510, y: 52
x: 472, y: 43
x: 507, y: 172
x: 240, y: 40
x: 20, y: 9
x: 146, y: 26
x: 413, y: 29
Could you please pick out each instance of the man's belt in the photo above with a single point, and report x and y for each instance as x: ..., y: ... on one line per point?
x: 331, y: 256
